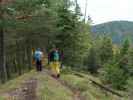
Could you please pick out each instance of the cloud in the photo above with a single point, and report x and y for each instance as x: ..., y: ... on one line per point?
x: 108, y: 10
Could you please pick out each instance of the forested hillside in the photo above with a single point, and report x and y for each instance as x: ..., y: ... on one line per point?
x: 118, y: 30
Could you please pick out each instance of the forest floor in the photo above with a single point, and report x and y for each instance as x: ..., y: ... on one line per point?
x: 42, y: 86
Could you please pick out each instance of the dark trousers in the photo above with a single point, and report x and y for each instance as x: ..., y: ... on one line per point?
x: 39, y: 65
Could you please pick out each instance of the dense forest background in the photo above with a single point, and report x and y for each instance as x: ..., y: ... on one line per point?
x: 31, y: 24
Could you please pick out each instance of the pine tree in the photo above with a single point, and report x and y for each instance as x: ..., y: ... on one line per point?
x: 124, y: 58
x: 73, y: 38
x: 92, y: 61
x: 106, y: 50
x: 130, y: 62
x: 114, y: 75
x: 125, y: 47
x: 117, y: 70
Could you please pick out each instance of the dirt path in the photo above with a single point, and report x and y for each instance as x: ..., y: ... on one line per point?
x: 77, y: 95
x: 27, y: 91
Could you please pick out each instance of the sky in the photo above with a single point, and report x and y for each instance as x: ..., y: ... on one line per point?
x: 108, y: 10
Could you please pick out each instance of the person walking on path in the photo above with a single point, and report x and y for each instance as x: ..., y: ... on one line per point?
x: 38, y: 59
x: 54, y: 60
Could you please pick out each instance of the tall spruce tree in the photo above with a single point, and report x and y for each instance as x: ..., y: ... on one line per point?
x: 124, y: 57
x: 73, y: 38
x: 106, y: 50
x: 92, y: 61
x: 125, y: 47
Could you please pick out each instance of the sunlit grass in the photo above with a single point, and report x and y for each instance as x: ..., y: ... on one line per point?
x: 88, y: 90
x: 51, y: 89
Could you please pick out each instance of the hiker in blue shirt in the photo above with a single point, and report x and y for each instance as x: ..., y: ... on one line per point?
x: 38, y: 59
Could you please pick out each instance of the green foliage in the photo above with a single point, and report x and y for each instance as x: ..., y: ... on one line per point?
x: 92, y: 61
x: 43, y: 23
x: 73, y: 37
x: 115, y: 76
x: 124, y: 57
x: 28, y: 24
x: 27, y: 6
x: 116, y: 71
x: 130, y: 62
x: 125, y: 47
x: 106, y: 50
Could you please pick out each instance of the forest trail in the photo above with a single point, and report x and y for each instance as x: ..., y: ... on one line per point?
x: 28, y: 89
x: 76, y: 92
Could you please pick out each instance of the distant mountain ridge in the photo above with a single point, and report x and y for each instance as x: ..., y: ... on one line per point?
x: 118, y: 30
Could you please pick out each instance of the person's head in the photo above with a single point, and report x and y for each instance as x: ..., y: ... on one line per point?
x: 38, y: 49
x: 56, y: 50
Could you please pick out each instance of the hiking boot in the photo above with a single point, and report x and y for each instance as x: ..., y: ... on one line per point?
x: 58, y: 76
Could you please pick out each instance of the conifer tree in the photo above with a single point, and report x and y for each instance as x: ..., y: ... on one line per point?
x: 106, y: 50
x: 73, y: 38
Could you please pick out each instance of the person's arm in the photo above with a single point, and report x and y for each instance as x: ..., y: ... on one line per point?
x: 34, y: 56
x: 42, y: 55
x: 62, y: 56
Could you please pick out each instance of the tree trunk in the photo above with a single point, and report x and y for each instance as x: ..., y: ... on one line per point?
x: 29, y: 53
x: 30, y: 57
x: 2, y: 62
x: 18, y: 58
x: 76, y: 3
x: 86, y: 5
x: 3, y: 74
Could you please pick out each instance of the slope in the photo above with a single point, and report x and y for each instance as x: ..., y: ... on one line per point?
x: 118, y: 30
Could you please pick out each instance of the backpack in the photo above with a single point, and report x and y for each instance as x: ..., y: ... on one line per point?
x: 56, y: 56
x: 37, y: 55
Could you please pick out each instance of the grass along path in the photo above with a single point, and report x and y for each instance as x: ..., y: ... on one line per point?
x: 76, y: 92
x: 86, y: 88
